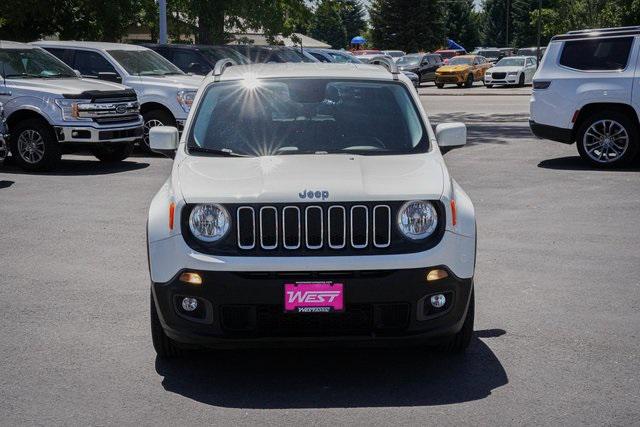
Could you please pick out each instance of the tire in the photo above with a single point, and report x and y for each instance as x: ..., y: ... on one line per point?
x: 469, y: 81
x: 439, y: 85
x: 459, y: 342
x: 151, y: 119
x: 489, y: 86
x: 4, y: 150
x: 459, y: 84
x: 597, y: 151
x: 521, y: 81
x: 113, y: 153
x: 163, y: 345
x: 34, y: 145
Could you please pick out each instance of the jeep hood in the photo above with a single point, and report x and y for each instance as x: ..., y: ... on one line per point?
x: 73, y: 86
x: 282, y: 178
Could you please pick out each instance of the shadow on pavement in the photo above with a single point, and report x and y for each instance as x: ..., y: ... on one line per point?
x: 76, y: 167
x: 521, y: 119
x: 575, y: 163
x: 6, y: 184
x: 277, y: 379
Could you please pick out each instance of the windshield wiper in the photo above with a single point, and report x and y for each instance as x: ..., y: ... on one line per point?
x: 222, y: 152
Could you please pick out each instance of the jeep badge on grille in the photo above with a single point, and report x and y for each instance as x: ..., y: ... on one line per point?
x: 317, y: 194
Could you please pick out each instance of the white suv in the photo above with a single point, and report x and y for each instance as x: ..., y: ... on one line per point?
x: 309, y: 202
x: 586, y: 90
x: 165, y: 92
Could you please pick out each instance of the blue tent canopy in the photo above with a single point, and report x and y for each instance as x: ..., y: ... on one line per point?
x: 358, y: 40
x: 453, y: 45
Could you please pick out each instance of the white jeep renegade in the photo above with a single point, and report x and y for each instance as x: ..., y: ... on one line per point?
x: 586, y: 90
x: 310, y: 202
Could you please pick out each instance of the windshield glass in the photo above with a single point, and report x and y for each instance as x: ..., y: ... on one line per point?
x: 489, y: 53
x: 510, y: 62
x: 395, y: 53
x: 305, y: 116
x: 344, y: 58
x: 409, y: 60
x: 144, y: 63
x: 527, y: 52
x: 461, y: 61
x: 32, y: 63
x: 215, y: 54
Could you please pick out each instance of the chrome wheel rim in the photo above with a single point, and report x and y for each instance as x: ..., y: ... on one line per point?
x: 31, y: 146
x: 605, y: 141
x: 147, y: 127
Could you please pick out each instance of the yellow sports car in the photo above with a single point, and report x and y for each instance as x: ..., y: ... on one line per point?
x: 462, y: 70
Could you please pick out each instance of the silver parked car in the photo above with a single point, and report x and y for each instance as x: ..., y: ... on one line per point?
x: 4, y: 147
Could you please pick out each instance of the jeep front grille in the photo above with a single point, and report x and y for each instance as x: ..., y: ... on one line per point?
x: 313, y: 227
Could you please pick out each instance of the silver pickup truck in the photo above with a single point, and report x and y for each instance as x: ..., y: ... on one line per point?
x: 51, y: 111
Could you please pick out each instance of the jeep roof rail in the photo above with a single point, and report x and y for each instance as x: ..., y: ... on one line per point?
x: 388, y: 63
x: 598, y: 32
x: 221, y: 65
x: 605, y: 30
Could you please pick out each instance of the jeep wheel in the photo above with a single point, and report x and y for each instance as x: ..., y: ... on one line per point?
x: 608, y: 139
x: 439, y: 85
x: 489, y: 85
x: 521, y: 81
x: 163, y: 345
x: 34, y: 145
x: 151, y: 119
x: 113, y: 153
x: 469, y: 81
x: 459, y: 342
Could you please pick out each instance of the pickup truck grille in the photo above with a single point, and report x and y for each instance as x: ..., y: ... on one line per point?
x: 313, y: 229
x: 108, y: 107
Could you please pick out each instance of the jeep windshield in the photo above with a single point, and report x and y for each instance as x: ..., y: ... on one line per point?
x: 458, y: 60
x: 409, y: 60
x: 253, y: 117
x: 32, y: 64
x: 144, y: 63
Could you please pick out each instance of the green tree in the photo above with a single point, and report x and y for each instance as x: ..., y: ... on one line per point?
x: 461, y: 23
x: 495, y: 23
x: 353, y: 17
x: 408, y: 25
x: 327, y: 24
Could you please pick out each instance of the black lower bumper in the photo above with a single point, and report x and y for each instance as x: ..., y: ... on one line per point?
x: 247, y: 309
x: 551, y: 132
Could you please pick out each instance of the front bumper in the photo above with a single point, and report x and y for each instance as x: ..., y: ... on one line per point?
x: 89, y: 133
x: 245, y: 309
x: 450, y: 78
x: 509, y: 80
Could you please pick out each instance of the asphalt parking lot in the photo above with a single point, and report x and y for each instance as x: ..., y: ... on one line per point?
x: 557, y: 303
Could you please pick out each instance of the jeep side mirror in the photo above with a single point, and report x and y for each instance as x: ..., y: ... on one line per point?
x: 450, y: 136
x: 109, y: 76
x: 164, y: 140
x: 78, y: 74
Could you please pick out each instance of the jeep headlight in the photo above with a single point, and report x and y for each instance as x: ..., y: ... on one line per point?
x: 70, y: 109
x: 185, y: 99
x: 418, y: 219
x: 209, y: 222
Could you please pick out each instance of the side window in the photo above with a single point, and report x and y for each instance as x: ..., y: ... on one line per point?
x: 319, y: 57
x: 597, y: 55
x: 63, y: 55
x: 184, y: 59
x: 91, y: 63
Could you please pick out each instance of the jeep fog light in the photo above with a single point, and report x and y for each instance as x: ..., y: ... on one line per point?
x: 437, y: 301
x: 190, y: 304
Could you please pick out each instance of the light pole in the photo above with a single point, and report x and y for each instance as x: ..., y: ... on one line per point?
x: 162, y: 6
x: 539, y: 30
